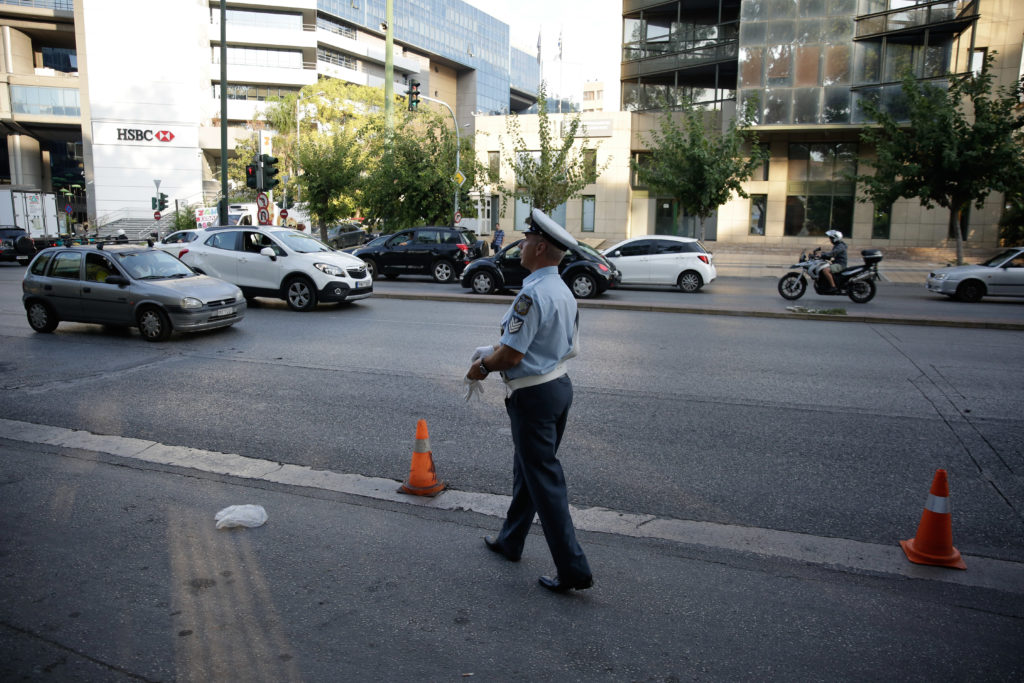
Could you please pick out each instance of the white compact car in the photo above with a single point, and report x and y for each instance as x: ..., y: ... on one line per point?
x: 663, y: 260
x: 276, y: 262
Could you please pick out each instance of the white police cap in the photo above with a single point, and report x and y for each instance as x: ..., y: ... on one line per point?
x: 542, y: 224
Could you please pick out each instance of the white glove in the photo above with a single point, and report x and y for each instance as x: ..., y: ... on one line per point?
x: 473, y: 386
x: 481, y: 352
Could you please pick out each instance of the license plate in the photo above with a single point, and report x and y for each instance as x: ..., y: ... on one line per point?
x: 360, y: 285
x: 223, y: 312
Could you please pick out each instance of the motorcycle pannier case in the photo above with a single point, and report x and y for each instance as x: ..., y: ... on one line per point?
x: 871, y: 256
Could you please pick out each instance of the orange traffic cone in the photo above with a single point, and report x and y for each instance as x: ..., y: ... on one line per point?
x: 933, y: 543
x: 422, y: 479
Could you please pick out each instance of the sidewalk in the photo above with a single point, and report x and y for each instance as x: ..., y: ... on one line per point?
x: 119, y: 574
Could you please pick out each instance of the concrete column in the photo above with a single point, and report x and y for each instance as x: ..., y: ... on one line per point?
x: 26, y: 166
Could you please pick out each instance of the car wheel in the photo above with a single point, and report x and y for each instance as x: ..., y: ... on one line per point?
x: 40, y: 317
x: 299, y: 293
x: 861, y: 291
x: 792, y: 286
x: 483, y: 282
x: 154, y: 325
x: 970, y: 291
x: 371, y: 268
x: 583, y: 286
x: 690, y: 282
x: 443, y: 271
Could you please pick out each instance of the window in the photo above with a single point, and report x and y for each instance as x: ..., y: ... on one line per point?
x: 589, y: 203
x: 758, y: 209
x: 767, y: 156
x: 223, y: 240
x: 820, y: 189
x: 673, y: 247
x: 638, y: 248
x: 494, y: 165
x: 881, y: 221
x: 590, y: 165
x: 39, y: 267
x: 67, y: 265
x: 98, y: 268
x: 978, y: 60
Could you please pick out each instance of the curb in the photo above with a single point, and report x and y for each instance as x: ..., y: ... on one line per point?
x: 690, y: 310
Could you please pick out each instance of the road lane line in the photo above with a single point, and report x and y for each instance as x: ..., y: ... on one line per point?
x: 837, y: 553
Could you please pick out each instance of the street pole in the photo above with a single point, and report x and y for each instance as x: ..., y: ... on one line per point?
x: 223, y: 210
x: 389, y: 66
x: 298, y: 139
x: 457, y: 147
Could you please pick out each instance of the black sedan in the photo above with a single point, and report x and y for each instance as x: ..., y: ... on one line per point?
x: 585, y: 271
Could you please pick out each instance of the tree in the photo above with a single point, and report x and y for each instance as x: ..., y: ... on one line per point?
x: 696, y: 166
x: 333, y: 163
x: 559, y: 171
x: 954, y: 147
x: 410, y: 180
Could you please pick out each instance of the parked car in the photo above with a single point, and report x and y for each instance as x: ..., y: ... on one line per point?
x: 346, y: 235
x: 126, y: 285
x: 1001, y: 275
x: 584, y: 270
x: 430, y: 250
x: 16, y: 245
x: 278, y: 263
x: 663, y: 260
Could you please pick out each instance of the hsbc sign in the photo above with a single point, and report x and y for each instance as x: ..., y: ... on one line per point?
x: 145, y: 134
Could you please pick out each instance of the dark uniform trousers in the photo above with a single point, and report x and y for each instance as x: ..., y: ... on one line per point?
x: 538, y: 415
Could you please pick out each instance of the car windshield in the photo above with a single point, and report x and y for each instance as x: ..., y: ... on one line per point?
x: 297, y: 241
x: 152, y: 265
x: 998, y: 258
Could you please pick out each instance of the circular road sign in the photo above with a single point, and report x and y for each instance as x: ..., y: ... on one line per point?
x: 156, y: 215
x: 263, y: 216
x: 284, y: 213
x: 458, y: 217
x: 262, y: 201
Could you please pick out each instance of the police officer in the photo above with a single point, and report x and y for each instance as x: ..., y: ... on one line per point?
x: 538, y: 334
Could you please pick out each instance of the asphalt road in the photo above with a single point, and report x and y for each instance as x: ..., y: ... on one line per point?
x: 824, y: 429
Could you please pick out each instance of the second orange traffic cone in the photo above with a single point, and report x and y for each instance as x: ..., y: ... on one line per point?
x: 422, y: 479
x: 933, y: 543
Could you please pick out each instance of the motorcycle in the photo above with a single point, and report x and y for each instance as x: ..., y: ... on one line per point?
x: 856, y: 282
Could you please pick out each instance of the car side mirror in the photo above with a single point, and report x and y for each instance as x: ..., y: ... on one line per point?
x: 118, y: 280
x: 616, y: 254
x: 267, y: 251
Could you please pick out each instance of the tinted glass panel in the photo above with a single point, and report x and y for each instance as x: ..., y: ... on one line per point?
x: 639, y: 248
x: 40, y: 265
x: 67, y: 265
x: 223, y: 240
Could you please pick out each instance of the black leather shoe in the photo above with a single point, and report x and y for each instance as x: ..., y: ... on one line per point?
x: 557, y: 585
x: 493, y: 545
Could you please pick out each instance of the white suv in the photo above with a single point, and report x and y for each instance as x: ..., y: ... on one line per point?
x: 663, y: 260
x: 277, y: 263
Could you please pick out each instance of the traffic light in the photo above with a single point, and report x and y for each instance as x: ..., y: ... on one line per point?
x: 162, y: 202
x: 252, y: 177
x: 414, y: 95
x: 153, y: 201
x: 268, y: 171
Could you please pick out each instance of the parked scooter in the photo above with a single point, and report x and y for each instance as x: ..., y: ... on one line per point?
x: 856, y: 282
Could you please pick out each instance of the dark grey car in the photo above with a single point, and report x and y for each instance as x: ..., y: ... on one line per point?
x: 126, y: 286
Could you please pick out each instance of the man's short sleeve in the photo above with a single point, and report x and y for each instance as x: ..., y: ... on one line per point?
x: 521, y: 325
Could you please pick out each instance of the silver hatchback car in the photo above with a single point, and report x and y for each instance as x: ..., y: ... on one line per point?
x: 126, y: 285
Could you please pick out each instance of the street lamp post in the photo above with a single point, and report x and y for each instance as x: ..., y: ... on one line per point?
x: 458, y: 147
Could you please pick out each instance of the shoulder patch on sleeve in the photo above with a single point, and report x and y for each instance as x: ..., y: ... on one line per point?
x: 514, y: 324
x: 522, y: 304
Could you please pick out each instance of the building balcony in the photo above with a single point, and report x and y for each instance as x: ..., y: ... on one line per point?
x: 943, y: 17
x: 643, y: 61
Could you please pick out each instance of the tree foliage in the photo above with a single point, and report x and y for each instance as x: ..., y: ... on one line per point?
x: 696, y: 165
x: 332, y: 164
x: 559, y: 171
x: 953, y: 147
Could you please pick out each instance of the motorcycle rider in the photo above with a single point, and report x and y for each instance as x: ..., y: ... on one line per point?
x: 837, y: 254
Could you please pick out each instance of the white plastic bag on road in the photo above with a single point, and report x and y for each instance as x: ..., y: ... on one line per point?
x: 241, y: 515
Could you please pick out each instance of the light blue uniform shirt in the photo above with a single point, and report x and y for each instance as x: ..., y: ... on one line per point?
x: 540, y: 324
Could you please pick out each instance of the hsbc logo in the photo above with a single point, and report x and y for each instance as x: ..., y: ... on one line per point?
x: 146, y: 135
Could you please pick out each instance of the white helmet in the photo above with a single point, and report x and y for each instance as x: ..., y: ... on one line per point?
x: 120, y: 232
x: 834, y: 236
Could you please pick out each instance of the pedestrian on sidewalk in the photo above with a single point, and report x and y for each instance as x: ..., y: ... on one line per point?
x: 538, y: 334
x: 499, y: 238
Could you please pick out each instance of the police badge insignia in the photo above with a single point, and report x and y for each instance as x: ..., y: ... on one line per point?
x: 522, y: 304
x: 514, y: 324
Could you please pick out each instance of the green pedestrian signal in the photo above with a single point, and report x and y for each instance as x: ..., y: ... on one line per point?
x: 414, y: 95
